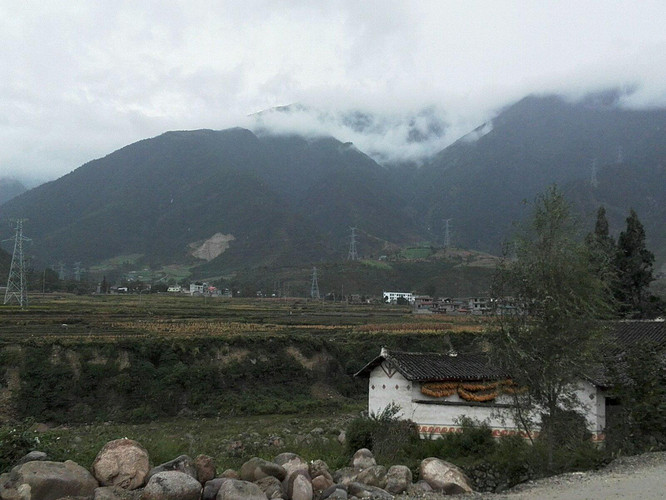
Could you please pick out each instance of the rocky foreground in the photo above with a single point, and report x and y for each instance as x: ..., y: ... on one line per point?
x: 122, y: 471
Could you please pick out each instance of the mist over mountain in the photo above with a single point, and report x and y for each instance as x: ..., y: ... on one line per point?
x: 10, y: 188
x: 481, y: 182
x: 288, y: 194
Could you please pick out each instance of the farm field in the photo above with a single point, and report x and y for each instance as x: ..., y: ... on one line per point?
x: 71, y: 318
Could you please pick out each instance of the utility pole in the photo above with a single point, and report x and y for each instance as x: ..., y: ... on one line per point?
x: 314, y: 288
x: 353, y: 254
x: 17, y: 286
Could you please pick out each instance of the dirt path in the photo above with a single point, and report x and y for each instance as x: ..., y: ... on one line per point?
x: 640, y: 477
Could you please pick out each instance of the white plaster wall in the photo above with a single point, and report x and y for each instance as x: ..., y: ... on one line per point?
x: 384, y: 390
x: 593, y: 404
x: 387, y: 387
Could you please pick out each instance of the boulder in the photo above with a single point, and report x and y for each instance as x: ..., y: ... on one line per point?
x: 183, y: 464
x: 290, y: 462
x: 205, y: 467
x: 335, y: 492
x: 321, y: 483
x: 230, y: 474
x: 44, y: 480
x: 360, y: 490
x: 271, y: 486
x: 122, y: 463
x: 319, y: 468
x: 418, y: 488
x: 234, y: 489
x: 116, y: 493
x: 172, y: 485
x: 444, y: 477
x: 363, y: 459
x: 257, y: 468
x: 342, y: 437
x: 33, y: 456
x: 212, y: 487
x: 299, y: 486
x: 398, y: 479
x: 373, y: 476
x: 345, y: 475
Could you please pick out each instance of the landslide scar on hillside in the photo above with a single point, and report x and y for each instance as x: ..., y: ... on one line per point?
x: 212, y: 247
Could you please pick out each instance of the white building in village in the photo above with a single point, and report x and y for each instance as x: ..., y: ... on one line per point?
x: 436, y: 390
x: 392, y: 297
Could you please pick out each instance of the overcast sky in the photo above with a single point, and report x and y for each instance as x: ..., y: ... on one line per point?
x: 80, y: 79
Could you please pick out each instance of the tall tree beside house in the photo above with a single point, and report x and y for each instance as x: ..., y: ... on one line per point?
x: 634, y: 264
x: 602, y: 252
x: 549, y: 335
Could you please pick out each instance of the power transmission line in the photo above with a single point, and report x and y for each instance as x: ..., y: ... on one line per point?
x: 314, y: 288
x: 17, y: 286
x: 353, y: 254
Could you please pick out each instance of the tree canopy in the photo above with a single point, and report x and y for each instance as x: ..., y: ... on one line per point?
x: 548, y: 334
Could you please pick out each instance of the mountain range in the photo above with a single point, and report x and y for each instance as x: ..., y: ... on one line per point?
x: 226, y: 200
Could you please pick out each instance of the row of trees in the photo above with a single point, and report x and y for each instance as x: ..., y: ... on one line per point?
x: 551, y: 335
x: 625, y: 265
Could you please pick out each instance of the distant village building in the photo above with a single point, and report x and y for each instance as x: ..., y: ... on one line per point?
x: 196, y: 288
x: 175, y: 289
x: 392, y: 297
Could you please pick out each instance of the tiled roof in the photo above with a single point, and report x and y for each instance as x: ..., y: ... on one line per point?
x: 421, y: 367
x: 628, y: 333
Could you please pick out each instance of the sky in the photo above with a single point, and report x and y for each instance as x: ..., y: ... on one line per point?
x: 80, y: 79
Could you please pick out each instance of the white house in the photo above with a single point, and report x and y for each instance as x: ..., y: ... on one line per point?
x: 436, y: 390
x: 392, y: 297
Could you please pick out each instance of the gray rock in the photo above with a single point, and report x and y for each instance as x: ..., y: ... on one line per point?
x: 116, y: 493
x: 335, y: 492
x: 271, y: 486
x: 342, y: 437
x: 444, y: 477
x: 172, y: 485
x: 398, y: 479
x: 212, y: 487
x: 321, y: 483
x: 122, y: 463
x: 360, y: 490
x: 373, y: 476
x: 33, y: 456
x: 230, y: 474
x: 419, y: 487
x: 299, y: 486
x: 183, y: 464
x: 319, y: 468
x: 257, y: 468
x: 345, y: 475
x: 289, y: 461
x: 44, y: 480
x: 205, y: 467
x: 234, y: 489
x: 363, y: 459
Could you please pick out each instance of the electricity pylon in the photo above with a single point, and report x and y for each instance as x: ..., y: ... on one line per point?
x: 314, y: 288
x: 17, y: 286
x: 353, y: 254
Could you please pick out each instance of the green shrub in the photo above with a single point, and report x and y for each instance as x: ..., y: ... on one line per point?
x: 15, y: 442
